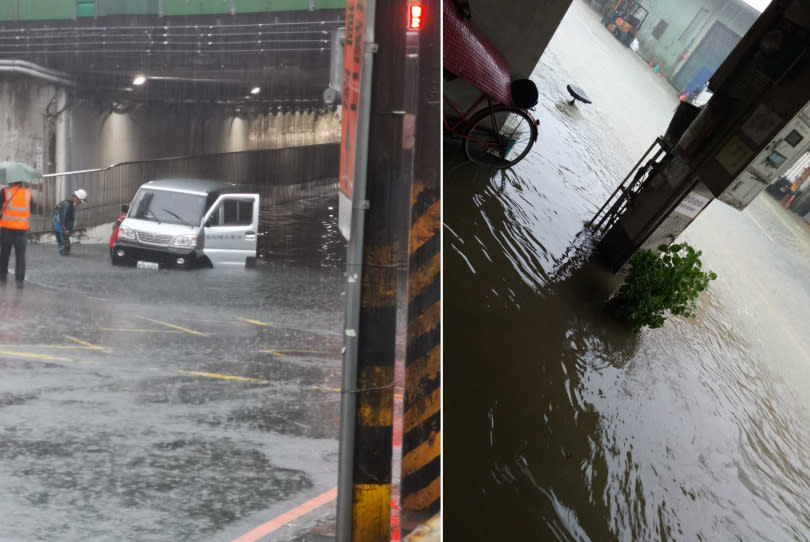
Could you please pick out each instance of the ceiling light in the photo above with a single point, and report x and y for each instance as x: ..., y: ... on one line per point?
x: 139, y: 80
x: 255, y: 90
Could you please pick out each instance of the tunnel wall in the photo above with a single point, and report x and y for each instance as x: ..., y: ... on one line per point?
x: 38, y: 129
x: 110, y: 187
x: 27, y: 132
x: 99, y: 137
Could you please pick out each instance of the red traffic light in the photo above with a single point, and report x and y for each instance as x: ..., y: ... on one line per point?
x: 415, y: 16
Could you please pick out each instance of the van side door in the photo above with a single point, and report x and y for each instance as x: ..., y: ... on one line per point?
x: 230, y: 229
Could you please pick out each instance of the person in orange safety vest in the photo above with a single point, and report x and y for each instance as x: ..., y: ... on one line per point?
x: 15, y: 201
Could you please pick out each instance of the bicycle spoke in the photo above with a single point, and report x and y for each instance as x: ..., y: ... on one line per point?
x: 499, y: 136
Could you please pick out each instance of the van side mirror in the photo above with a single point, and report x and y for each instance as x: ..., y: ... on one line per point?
x: 124, y: 208
x: 210, y: 221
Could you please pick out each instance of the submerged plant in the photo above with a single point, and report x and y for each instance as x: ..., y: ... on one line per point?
x: 669, y: 280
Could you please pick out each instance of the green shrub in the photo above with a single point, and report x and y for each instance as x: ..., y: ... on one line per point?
x: 669, y: 280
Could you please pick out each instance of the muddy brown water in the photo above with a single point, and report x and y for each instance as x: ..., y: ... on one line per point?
x: 560, y: 423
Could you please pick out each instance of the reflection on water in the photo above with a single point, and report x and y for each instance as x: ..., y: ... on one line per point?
x: 561, y: 423
x: 560, y: 420
x: 300, y: 223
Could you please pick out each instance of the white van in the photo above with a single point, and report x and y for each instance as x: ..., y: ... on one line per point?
x: 187, y: 223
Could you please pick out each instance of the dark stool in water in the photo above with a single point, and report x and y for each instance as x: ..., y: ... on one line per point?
x: 578, y: 94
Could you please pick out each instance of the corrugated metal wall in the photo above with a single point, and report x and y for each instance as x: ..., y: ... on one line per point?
x: 712, y: 51
x: 29, y: 10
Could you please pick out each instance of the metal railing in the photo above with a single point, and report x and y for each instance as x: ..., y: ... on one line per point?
x: 114, y: 185
x: 619, y: 201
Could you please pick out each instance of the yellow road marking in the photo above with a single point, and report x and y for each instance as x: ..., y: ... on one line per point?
x: 223, y: 377
x: 33, y: 356
x: 84, y: 343
x: 183, y: 329
x: 274, y: 352
x: 250, y: 321
x: 46, y: 346
x: 130, y: 330
x: 322, y: 388
x: 283, y: 353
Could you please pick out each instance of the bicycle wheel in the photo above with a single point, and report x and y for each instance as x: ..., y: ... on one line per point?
x: 499, y: 136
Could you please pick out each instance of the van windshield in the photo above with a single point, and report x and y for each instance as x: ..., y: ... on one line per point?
x: 170, y: 207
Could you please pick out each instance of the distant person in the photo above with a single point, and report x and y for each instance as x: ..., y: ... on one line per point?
x: 16, y: 206
x: 64, y: 219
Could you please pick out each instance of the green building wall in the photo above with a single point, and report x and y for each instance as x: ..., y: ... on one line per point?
x: 40, y: 10
x: 684, y: 30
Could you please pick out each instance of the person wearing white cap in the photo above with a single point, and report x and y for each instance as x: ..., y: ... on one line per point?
x: 64, y: 219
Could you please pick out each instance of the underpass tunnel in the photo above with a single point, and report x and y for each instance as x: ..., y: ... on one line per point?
x: 212, y: 395
x: 106, y: 83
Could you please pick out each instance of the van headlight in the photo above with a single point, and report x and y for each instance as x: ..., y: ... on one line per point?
x: 184, y: 241
x: 126, y: 233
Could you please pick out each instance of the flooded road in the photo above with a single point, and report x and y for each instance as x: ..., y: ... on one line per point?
x: 172, y: 405
x: 561, y: 423
x: 298, y: 223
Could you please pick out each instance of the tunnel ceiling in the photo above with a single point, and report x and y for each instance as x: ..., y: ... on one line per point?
x: 202, y: 59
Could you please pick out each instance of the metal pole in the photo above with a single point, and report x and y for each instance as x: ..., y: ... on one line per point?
x: 354, y: 270
x: 384, y: 237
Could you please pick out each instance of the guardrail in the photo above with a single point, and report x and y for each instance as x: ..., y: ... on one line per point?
x: 114, y: 185
x: 620, y: 200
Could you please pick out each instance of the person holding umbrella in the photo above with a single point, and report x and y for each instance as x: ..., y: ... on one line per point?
x: 15, y: 203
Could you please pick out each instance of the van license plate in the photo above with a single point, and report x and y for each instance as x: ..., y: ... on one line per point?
x: 148, y: 265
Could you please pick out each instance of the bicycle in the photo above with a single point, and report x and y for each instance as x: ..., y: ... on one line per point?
x: 497, y: 136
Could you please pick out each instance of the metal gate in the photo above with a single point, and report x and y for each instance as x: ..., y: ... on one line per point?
x: 710, y: 53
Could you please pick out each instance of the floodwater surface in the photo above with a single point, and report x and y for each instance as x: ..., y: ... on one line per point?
x: 560, y: 423
x: 163, y: 405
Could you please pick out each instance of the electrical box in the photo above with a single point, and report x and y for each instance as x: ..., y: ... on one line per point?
x: 332, y: 93
x: 772, y: 162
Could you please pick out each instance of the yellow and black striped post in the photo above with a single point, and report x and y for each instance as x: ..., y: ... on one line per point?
x: 375, y: 397
x: 421, y: 440
x: 387, y: 190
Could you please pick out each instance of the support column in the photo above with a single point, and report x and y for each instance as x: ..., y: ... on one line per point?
x: 386, y: 195
x: 421, y: 442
